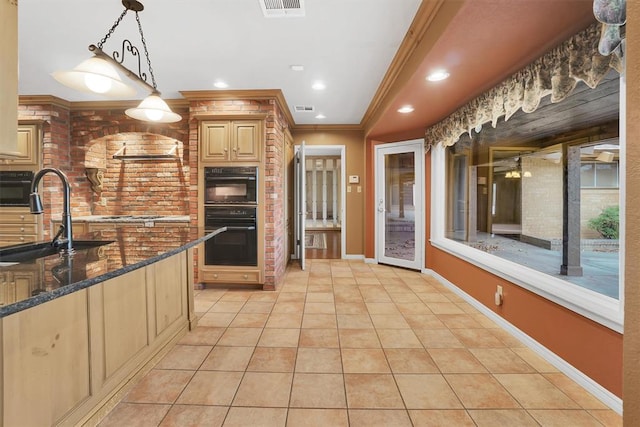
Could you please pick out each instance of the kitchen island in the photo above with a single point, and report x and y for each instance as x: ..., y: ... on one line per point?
x: 80, y: 328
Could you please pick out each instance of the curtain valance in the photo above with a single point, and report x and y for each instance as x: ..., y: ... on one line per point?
x: 556, y: 73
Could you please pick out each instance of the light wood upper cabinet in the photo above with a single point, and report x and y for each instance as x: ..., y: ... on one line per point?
x: 215, y: 139
x: 28, y: 149
x: 28, y: 145
x: 231, y: 140
x: 245, y: 140
x: 8, y: 77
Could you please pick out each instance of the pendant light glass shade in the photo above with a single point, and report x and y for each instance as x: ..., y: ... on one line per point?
x: 153, y: 109
x: 95, y: 75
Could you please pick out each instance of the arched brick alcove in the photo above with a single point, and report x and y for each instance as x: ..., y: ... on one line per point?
x: 158, y: 186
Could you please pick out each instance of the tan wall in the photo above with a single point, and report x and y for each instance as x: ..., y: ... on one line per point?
x: 631, y: 371
x: 353, y: 140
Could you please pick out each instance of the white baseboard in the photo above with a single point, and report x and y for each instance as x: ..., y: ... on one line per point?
x: 601, y: 393
x: 370, y: 261
x: 353, y: 256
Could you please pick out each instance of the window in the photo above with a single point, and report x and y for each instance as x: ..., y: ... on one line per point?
x: 499, y: 201
x: 599, y: 175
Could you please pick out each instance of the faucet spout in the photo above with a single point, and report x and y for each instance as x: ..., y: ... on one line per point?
x: 35, y: 204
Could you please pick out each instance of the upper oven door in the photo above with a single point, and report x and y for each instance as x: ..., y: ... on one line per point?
x: 15, y: 187
x: 230, y: 185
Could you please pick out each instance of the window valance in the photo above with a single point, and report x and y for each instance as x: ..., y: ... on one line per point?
x: 556, y: 73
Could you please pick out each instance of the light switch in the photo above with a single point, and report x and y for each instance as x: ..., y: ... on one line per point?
x: 359, y: 189
x: 348, y: 189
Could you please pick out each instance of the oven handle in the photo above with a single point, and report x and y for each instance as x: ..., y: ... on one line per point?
x: 230, y: 178
x: 237, y: 228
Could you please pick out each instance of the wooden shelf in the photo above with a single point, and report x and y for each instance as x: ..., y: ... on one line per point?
x: 170, y: 155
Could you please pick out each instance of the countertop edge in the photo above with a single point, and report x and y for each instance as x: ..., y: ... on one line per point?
x: 83, y: 284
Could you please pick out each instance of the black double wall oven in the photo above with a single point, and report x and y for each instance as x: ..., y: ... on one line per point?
x: 231, y: 200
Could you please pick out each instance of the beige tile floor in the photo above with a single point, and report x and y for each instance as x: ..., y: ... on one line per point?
x: 346, y: 343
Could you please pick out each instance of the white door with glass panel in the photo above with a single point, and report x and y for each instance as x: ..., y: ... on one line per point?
x: 399, y: 204
x: 300, y: 211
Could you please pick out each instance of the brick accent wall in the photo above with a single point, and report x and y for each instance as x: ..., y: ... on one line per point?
x: 129, y: 186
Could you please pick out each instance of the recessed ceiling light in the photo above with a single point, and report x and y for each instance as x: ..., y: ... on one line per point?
x: 297, y: 67
x: 321, y: 116
x: 437, y: 75
x: 405, y: 109
x: 319, y: 86
x: 220, y: 84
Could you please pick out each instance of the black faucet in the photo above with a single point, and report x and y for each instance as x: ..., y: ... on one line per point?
x: 35, y: 206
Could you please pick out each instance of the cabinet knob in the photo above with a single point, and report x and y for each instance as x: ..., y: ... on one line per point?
x: 215, y: 276
x: 246, y: 276
x: 21, y: 228
x: 21, y: 216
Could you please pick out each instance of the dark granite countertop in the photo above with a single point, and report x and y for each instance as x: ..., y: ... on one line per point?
x: 126, y: 248
x: 132, y: 218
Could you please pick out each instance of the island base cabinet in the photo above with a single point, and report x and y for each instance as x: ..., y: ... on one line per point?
x: 63, y: 361
x: 45, y: 361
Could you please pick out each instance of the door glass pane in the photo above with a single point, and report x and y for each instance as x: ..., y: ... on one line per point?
x: 400, y: 210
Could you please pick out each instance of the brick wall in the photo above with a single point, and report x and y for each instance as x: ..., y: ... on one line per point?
x: 592, y: 202
x: 542, y: 201
x: 542, y: 198
x: 132, y: 187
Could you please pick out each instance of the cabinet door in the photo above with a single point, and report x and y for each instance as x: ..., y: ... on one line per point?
x: 215, y: 141
x: 245, y: 140
x: 27, y: 146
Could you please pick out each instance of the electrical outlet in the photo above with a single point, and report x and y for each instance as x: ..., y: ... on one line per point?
x: 499, y: 296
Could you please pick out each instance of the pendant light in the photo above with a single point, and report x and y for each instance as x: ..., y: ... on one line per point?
x: 99, y: 75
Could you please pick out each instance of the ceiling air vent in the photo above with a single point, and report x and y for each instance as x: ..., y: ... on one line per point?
x: 282, y: 8
x: 304, y: 108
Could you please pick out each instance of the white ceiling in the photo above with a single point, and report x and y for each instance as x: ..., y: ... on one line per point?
x: 347, y: 44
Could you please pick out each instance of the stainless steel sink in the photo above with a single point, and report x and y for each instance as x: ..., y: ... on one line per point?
x: 32, y: 251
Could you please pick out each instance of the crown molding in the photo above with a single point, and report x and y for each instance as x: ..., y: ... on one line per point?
x: 411, y: 51
x: 327, y: 128
x: 227, y: 95
x: 117, y: 105
x: 43, y: 99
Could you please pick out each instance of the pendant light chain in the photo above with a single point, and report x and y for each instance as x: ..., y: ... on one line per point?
x: 146, y: 52
x: 113, y: 28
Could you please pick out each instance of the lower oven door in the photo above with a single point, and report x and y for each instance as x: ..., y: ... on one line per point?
x: 236, y: 246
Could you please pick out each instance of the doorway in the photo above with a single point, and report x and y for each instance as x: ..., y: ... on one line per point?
x: 400, y: 204
x: 320, y: 202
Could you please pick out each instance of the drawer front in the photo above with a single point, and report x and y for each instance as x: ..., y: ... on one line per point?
x: 16, y: 239
x: 23, y: 228
x: 19, y: 218
x: 230, y: 276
